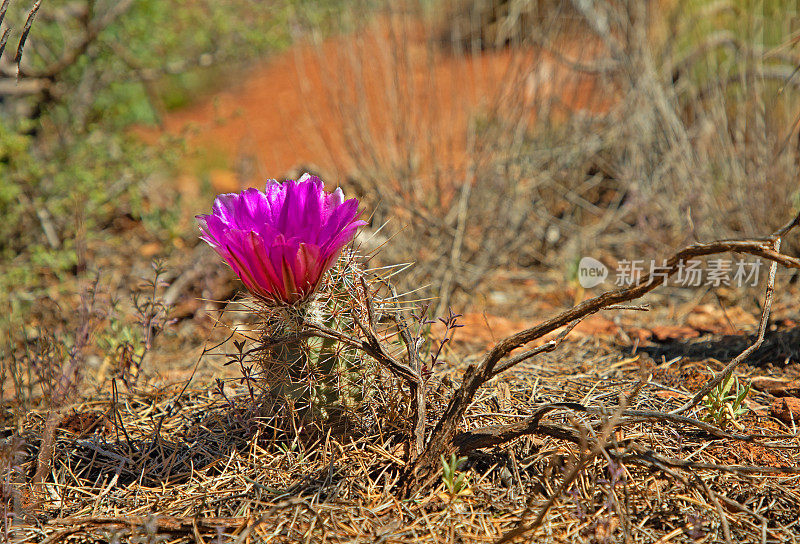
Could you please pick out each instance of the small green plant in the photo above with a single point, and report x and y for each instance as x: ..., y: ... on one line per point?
x: 292, y: 450
x: 455, y: 481
x: 724, y: 403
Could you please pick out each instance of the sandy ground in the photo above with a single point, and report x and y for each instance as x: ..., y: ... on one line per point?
x: 377, y: 94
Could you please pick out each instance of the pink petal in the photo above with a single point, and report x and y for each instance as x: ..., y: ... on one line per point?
x: 281, y: 241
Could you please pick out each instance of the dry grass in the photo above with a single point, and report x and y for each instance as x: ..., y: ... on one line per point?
x: 625, y: 144
x: 151, y: 468
x: 608, y: 458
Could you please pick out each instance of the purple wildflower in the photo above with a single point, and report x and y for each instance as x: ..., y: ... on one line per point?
x: 281, y: 242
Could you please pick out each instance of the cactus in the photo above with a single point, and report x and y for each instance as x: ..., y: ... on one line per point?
x: 319, y: 377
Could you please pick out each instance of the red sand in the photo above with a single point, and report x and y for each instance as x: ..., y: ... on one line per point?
x: 373, y: 100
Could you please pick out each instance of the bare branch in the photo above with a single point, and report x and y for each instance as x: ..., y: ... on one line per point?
x: 493, y: 435
x: 25, y: 31
x: 725, y: 374
x: 3, y: 10
x: 476, y: 376
x: 649, y: 457
x: 73, y: 53
x: 544, y: 348
x: 645, y: 285
x: 784, y: 230
x: 4, y: 40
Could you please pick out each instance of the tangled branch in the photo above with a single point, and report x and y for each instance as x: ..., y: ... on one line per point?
x: 423, y: 470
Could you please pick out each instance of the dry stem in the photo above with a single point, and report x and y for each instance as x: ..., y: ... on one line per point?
x: 424, y: 470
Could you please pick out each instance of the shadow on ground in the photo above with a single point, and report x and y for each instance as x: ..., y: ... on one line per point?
x: 780, y: 348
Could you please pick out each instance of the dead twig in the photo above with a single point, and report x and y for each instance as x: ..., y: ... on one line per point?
x: 726, y: 373
x: 441, y: 441
x: 544, y: 348
x: 25, y: 31
x: 651, y: 458
x: 3, y: 10
x: 598, y: 446
x: 494, y: 435
x: 92, y: 32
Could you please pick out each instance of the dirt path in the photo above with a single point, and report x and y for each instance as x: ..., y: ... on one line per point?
x: 380, y: 97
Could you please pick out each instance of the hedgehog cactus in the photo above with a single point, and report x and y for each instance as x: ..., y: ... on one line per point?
x: 281, y: 242
x: 317, y: 376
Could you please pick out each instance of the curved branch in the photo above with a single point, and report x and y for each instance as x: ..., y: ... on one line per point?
x: 476, y: 376
x: 496, y: 435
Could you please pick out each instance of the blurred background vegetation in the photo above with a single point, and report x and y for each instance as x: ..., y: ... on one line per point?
x: 73, y: 175
x: 615, y: 128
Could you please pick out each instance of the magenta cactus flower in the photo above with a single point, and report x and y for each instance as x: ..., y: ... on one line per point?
x: 280, y: 242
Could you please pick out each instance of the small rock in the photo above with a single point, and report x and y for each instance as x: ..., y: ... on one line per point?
x: 786, y: 409
x: 150, y: 249
x: 665, y: 333
x: 506, y: 477
x: 756, y: 408
x: 776, y: 386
